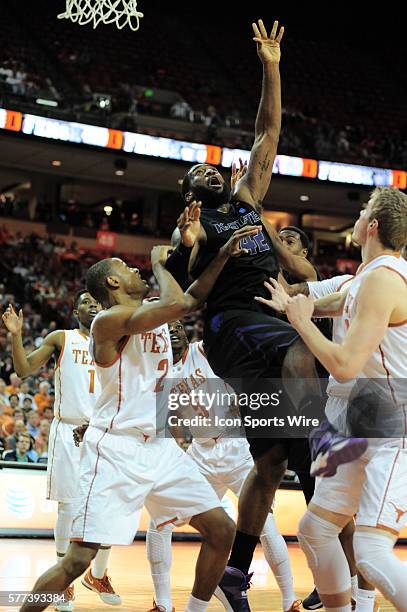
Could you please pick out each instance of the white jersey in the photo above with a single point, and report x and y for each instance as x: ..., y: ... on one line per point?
x: 213, y: 417
x: 389, y: 360
x: 320, y: 289
x: 132, y: 386
x: 76, y: 386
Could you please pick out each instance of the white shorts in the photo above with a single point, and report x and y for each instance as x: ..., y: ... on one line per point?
x: 63, y: 463
x: 120, y: 473
x: 373, y: 487
x: 224, y: 463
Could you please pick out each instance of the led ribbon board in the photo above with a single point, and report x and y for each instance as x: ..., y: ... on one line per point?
x: 191, y: 152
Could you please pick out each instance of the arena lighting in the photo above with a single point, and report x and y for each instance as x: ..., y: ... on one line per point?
x: 304, y: 198
x: 108, y: 209
x: 56, y: 162
x: 46, y: 102
x: 120, y: 167
x: 191, y: 152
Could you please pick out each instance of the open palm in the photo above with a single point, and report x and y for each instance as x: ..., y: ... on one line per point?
x: 12, y: 320
x: 268, y: 47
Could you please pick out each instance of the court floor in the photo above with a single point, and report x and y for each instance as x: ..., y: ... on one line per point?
x: 22, y: 560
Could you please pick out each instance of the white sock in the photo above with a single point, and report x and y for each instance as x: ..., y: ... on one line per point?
x: 162, y: 590
x: 365, y: 601
x: 354, y: 586
x: 159, y: 554
x: 276, y: 552
x: 196, y: 605
x: 347, y: 608
x: 379, y: 565
x: 63, y: 528
x: 99, y: 566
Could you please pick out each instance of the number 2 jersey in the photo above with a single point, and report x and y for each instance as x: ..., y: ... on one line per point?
x: 132, y: 397
x: 243, y: 277
x: 76, y: 385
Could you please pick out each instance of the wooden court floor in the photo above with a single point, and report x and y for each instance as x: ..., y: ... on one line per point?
x: 21, y: 561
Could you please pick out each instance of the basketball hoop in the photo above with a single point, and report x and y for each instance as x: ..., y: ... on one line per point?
x: 120, y: 12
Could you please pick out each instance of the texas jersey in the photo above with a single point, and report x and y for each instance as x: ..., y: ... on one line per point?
x: 211, y: 409
x: 388, y: 362
x: 132, y: 387
x: 76, y: 385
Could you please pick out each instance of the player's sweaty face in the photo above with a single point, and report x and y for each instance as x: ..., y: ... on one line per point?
x: 88, y: 308
x: 177, y: 334
x: 208, y: 186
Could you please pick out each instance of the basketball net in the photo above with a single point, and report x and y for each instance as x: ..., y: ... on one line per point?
x: 120, y: 12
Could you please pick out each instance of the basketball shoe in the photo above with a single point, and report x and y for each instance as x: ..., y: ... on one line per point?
x: 313, y: 601
x: 232, y: 590
x: 103, y: 587
x: 67, y: 604
x: 329, y: 449
x: 295, y: 606
x: 156, y: 608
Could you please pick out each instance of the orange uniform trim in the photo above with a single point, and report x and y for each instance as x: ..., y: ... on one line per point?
x: 363, y: 265
x: 387, y: 486
x: 201, y: 350
x: 116, y: 359
x: 92, y: 483
x: 62, y: 351
x: 398, y: 324
x: 167, y: 522
x: 393, y: 395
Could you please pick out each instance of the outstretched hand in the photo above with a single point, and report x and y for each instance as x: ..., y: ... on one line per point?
x: 237, y: 173
x: 189, y: 223
x: 300, y: 310
x: 12, y: 320
x: 233, y: 248
x: 279, y: 297
x: 268, y: 47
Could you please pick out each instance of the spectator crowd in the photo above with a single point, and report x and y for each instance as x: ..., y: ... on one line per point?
x: 26, y: 269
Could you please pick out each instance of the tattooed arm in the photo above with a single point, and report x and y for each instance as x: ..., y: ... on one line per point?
x: 253, y: 186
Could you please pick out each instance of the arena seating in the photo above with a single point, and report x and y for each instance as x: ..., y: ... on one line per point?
x: 218, y: 75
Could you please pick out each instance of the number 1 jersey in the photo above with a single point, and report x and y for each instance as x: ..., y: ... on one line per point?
x: 76, y: 385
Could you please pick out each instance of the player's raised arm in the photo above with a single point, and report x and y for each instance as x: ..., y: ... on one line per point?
x: 24, y: 364
x: 253, y: 186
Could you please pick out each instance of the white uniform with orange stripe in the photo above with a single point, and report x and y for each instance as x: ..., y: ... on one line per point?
x: 76, y: 390
x: 124, y: 462
x: 221, y: 453
x: 375, y: 486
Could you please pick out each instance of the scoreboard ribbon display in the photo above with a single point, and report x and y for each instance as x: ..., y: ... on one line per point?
x: 191, y: 152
